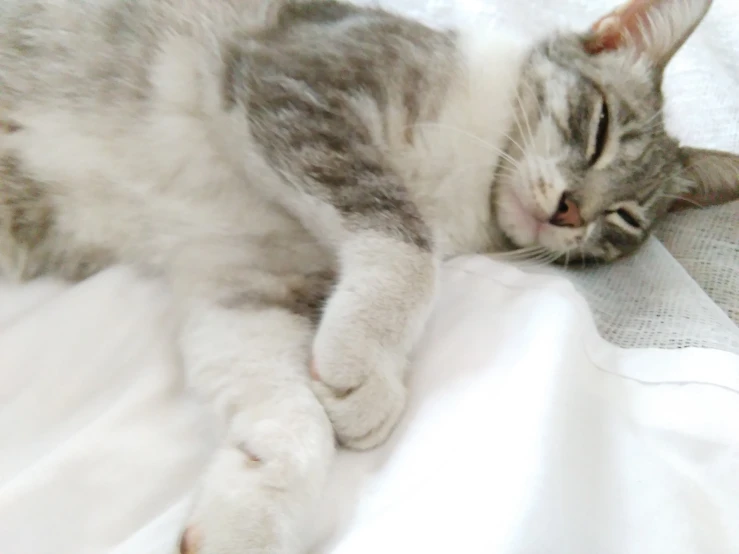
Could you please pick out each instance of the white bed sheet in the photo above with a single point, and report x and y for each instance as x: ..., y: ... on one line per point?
x: 526, y: 431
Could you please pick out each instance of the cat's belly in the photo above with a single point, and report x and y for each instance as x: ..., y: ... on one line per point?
x: 136, y: 192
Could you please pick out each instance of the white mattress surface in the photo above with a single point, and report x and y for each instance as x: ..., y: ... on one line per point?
x: 527, y: 431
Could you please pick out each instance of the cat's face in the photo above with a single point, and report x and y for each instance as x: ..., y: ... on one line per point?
x: 589, y: 168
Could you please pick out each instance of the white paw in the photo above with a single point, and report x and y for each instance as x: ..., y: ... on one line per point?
x: 254, y: 498
x: 235, y: 513
x: 360, y: 387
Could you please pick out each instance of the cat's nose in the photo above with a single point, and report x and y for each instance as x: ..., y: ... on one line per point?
x: 567, y: 214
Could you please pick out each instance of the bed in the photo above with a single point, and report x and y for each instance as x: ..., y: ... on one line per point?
x: 587, y: 411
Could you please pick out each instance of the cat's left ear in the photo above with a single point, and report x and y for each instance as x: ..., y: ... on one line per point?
x: 714, y: 178
x: 656, y: 28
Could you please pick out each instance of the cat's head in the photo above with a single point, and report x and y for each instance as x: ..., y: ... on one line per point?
x: 589, y: 168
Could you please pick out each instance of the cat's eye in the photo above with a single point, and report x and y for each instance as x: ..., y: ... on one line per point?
x: 601, y: 133
x: 627, y: 217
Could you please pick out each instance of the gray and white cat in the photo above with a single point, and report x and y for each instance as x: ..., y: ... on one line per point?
x: 298, y: 170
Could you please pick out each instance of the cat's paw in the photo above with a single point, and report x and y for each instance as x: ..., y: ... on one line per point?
x: 234, y: 512
x: 364, y: 397
x: 253, y: 498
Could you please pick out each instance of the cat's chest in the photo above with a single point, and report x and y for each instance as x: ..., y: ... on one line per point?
x: 451, y: 181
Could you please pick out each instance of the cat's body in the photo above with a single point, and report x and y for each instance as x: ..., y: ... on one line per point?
x: 140, y: 158
x: 298, y: 170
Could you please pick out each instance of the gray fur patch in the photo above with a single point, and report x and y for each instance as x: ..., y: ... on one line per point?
x: 27, y: 222
x: 304, y: 295
x: 302, y: 104
x: 26, y: 212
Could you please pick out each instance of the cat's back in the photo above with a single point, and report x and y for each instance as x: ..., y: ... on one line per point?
x: 71, y: 52
x: 77, y: 52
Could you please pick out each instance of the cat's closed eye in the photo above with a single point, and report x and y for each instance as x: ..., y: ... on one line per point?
x: 627, y: 217
x: 601, y: 133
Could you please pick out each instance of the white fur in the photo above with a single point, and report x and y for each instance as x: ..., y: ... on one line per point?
x: 450, y: 167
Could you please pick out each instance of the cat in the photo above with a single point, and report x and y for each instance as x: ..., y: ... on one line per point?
x: 297, y: 170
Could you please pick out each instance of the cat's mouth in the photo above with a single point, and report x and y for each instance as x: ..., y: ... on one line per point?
x: 522, y: 225
x: 530, y: 227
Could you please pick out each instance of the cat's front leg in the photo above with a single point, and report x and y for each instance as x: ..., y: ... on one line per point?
x: 337, y: 181
x: 369, y: 327
x: 332, y: 173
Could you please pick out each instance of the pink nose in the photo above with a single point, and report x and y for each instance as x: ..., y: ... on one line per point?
x: 567, y: 214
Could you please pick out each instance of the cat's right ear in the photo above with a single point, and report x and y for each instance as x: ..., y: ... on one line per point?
x: 714, y: 178
x: 655, y: 28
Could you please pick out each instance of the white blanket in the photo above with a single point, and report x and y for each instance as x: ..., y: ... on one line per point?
x: 526, y: 432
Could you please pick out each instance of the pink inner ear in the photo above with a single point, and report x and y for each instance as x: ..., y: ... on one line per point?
x: 609, y: 32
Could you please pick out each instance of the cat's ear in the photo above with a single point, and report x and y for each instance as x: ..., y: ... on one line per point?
x: 657, y: 28
x: 714, y: 178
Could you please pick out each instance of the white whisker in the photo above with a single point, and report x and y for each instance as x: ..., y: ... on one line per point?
x: 526, y: 121
x: 516, y: 144
x: 682, y: 199
x: 494, y: 149
x: 539, y: 114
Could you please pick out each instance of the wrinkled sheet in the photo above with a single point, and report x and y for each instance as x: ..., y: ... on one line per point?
x: 526, y: 431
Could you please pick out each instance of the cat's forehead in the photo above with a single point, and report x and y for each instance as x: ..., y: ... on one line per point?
x: 563, y: 66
